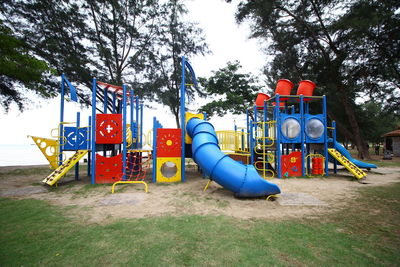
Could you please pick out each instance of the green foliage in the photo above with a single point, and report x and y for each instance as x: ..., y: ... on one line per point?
x: 365, y: 232
x: 376, y: 121
x: 18, y: 68
x: 176, y: 37
x: 133, y: 42
x: 235, y: 92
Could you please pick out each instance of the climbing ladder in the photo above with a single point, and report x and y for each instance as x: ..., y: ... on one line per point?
x: 350, y: 166
x: 64, y: 168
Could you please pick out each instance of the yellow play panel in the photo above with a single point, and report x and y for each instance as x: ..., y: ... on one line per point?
x: 168, y: 170
x: 49, y: 148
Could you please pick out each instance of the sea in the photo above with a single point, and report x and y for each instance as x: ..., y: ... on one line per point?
x: 21, y: 155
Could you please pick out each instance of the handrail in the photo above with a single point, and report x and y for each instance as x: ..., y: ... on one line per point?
x: 146, y: 187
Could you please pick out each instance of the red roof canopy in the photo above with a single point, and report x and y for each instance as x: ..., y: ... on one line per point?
x: 392, y: 133
x: 114, y: 88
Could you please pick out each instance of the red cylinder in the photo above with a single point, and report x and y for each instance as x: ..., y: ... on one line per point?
x: 317, y: 166
x: 284, y: 87
x: 261, y: 97
x: 306, y: 88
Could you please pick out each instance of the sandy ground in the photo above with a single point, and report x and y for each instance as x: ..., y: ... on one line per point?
x: 301, y: 197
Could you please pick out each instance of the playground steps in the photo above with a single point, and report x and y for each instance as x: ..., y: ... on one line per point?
x: 357, y: 172
x: 64, y: 168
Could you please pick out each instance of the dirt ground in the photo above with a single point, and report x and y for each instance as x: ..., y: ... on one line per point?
x: 301, y: 197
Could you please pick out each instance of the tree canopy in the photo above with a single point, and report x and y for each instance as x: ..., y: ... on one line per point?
x: 350, y: 49
x: 233, y: 91
x: 117, y: 41
x: 19, y: 69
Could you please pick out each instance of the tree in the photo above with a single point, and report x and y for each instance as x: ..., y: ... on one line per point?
x: 236, y: 92
x: 18, y: 68
x: 117, y: 41
x: 176, y: 37
x: 349, y: 48
x: 376, y: 121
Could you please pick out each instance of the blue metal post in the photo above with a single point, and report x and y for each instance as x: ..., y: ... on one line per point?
x: 205, y: 115
x: 182, y: 107
x: 154, y: 149
x: 302, y: 123
x: 114, y: 103
x: 325, y: 136
x: 137, y: 120
x: 105, y: 101
x: 61, y: 126
x: 248, y: 129
x: 251, y: 146
x: 88, y: 135
x: 278, y: 137
x: 124, y: 132
x: 266, y: 130
x: 334, y: 145
x: 93, y: 139
x: 141, y: 127
x: 131, y: 113
x: 78, y: 124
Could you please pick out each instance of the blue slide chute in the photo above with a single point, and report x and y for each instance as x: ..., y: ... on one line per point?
x: 346, y: 153
x: 241, y: 179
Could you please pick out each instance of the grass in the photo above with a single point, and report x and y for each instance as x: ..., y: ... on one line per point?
x: 43, y: 171
x: 88, y: 189
x: 365, y: 233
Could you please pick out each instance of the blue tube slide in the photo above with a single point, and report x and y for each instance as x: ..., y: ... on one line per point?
x: 346, y: 153
x: 241, y: 179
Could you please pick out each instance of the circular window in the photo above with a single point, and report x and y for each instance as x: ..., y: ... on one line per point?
x: 314, y: 128
x: 290, y: 128
x: 168, y: 169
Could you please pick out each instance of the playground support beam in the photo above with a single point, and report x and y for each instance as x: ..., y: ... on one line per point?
x: 302, y: 120
x: 325, y: 136
x: 124, y: 132
x: 88, y: 135
x: 141, y: 127
x: 278, y: 138
x: 93, y: 139
x: 61, y: 127
x: 78, y: 124
x: 137, y: 120
x: 131, y: 115
x: 183, y: 94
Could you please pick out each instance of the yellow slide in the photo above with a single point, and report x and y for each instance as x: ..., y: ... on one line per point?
x: 64, y: 168
x: 350, y: 166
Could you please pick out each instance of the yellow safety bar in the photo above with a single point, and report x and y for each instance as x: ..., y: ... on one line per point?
x: 146, y: 187
x: 314, y: 156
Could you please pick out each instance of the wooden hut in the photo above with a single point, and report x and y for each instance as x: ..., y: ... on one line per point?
x: 392, y: 141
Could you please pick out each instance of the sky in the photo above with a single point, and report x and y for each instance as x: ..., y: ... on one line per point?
x: 227, y: 41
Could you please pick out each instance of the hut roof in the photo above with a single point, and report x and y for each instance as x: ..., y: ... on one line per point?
x: 392, y: 133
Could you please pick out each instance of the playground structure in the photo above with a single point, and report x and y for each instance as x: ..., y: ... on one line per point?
x: 288, y: 136
x: 109, y: 135
x: 285, y: 136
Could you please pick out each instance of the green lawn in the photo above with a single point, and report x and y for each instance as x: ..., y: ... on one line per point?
x: 365, y: 233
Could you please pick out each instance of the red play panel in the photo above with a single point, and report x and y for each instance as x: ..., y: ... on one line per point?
x: 108, y: 170
x: 108, y: 128
x: 169, y: 142
x: 291, y: 164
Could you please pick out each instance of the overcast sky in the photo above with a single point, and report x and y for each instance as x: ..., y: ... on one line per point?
x: 227, y: 41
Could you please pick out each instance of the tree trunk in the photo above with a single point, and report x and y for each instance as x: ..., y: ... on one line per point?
x: 351, y: 116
